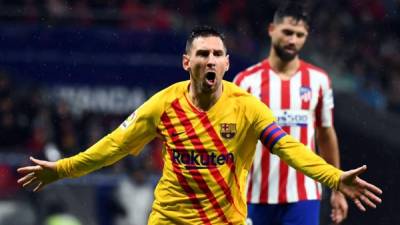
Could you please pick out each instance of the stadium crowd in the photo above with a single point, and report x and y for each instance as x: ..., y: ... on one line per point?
x: 356, y: 40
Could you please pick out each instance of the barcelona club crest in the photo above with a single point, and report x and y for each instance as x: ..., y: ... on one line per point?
x: 228, y: 130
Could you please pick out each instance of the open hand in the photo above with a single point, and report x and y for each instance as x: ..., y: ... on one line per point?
x: 361, y: 192
x: 339, y: 207
x: 39, y: 175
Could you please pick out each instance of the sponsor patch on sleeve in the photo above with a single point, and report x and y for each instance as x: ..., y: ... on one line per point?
x: 129, y: 120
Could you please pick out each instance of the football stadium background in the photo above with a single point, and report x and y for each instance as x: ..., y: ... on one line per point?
x: 71, y: 71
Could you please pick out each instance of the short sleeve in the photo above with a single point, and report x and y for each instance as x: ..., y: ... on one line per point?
x: 325, y: 104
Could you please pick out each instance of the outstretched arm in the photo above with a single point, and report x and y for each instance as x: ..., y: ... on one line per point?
x: 306, y: 161
x: 129, y: 138
x: 303, y: 159
x: 38, y: 175
x: 105, y: 152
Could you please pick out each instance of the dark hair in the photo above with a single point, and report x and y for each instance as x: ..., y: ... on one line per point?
x: 295, y: 9
x: 203, y: 31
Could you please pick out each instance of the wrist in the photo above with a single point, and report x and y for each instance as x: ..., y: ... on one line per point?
x: 337, y: 192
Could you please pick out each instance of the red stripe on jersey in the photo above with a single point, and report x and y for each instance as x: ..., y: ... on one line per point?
x: 283, y: 167
x: 239, y: 78
x: 267, y: 131
x: 305, y: 105
x: 265, y: 163
x: 265, y: 86
x: 183, y: 182
x: 318, y: 109
x: 317, y: 190
x: 194, y: 172
x: 250, y: 188
x: 322, y: 71
x: 202, y: 116
x: 274, y: 139
x: 312, y: 146
x: 217, y: 142
x: 283, y: 175
x: 265, y: 155
x: 301, y: 189
x: 285, y: 94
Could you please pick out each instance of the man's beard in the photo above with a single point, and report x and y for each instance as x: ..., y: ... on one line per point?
x: 284, y: 55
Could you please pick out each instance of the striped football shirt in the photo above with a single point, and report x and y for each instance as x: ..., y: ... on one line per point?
x: 300, y: 104
x: 207, y: 154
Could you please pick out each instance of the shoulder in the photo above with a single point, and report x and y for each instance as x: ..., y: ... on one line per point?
x: 160, y: 100
x: 318, y: 74
x: 239, y: 96
x: 254, y: 69
x: 315, y: 70
x: 233, y: 91
x: 171, y: 92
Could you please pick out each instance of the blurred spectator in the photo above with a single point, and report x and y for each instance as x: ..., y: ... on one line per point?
x: 82, y: 13
x: 366, y: 30
x: 31, y: 13
x: 65, y: 129
x: 138, y: 16
x: 135, y: 192
x: 8, y: 182
x: 11, y: 132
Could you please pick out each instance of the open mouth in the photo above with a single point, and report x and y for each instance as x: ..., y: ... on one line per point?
x: 210, y: 77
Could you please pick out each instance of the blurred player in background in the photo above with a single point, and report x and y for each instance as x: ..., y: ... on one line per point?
x: 300, y: 96
x: 210, y: 128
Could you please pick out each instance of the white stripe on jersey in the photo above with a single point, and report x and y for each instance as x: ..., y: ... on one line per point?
x: 255, y: 195
x: 295, y: 103
x: 274, y: 103
x: 295, y: 117
x: 251, y: 83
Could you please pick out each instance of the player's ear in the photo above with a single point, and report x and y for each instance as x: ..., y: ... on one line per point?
x: 271, y: 28
x: 227, y: 63
x: 185, y: 62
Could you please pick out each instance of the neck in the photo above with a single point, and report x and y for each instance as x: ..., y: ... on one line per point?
x: 285, y: 69
x: 204, y: 101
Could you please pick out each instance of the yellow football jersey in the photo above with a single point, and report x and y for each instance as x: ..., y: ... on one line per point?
x: 207, y: 155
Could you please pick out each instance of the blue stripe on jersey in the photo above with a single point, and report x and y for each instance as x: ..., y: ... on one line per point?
x: 262, y: 133
x: 268, y: 133
x: 276, y: 140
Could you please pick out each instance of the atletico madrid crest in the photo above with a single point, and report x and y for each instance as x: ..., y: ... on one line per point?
x: 305, y: 94
x: 228, y: 130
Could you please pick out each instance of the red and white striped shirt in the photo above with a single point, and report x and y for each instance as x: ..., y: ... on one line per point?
x: 300, y: 104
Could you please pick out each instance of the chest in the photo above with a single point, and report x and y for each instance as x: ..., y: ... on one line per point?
x: 202, y: 139
x: 301, y: 92
x: 200, y: 130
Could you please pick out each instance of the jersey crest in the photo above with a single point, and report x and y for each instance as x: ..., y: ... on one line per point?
x: 305, y: 93
x: 228, y: 130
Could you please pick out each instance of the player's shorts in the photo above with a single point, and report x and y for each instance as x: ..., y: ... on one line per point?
x: 299, y: 213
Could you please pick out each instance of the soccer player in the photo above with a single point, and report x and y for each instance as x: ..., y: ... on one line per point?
x: 210, y: 128
x: 300, y: 96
